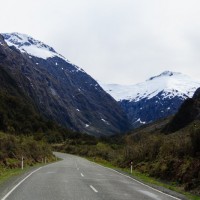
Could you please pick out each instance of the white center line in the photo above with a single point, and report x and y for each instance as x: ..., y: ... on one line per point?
x: 93, y: 188
x: 82, y: 175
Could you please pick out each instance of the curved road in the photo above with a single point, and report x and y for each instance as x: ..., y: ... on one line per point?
x: 75, y: 178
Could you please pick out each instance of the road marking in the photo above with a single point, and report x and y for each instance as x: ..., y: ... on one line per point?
x: 139, y: 182
x: 82, y: 175
x: 93, y: 188
x: 8, y: 194
x: 50, y: 172
x: 76, y: 166
x: 150, y: 194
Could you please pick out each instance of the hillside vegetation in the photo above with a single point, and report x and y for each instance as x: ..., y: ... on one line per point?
x: 19, y: 115
x: 13, y: 148
x: 23, y: 131
x: 168, y: 149
x: 155, y: 150
x: 174, y: 157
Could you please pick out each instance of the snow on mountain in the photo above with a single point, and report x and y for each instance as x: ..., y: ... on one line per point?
x: 170, y: 83
x: 26, y: 44
x: 156, y: 98
x: 29, y: 45
x: 61, y: 91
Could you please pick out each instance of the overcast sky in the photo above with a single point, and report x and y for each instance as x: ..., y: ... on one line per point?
x: 115, y: 41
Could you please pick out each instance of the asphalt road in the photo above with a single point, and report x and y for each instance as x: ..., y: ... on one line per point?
x: 75, y: 178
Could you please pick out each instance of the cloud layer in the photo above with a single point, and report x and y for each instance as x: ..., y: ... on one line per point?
x: 120, y: 41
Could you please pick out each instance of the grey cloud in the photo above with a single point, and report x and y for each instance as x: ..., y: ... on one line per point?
x: 122, y: 41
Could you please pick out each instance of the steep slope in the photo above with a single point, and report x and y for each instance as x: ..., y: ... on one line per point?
x: 172, y: 157
x: 188, y: 112
x: 169, y: 149
x: 17, y: 112
x: 156, y: 98
x: 60, y: 90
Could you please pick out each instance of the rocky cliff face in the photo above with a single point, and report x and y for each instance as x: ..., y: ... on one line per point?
x: 147, y: 111
x: 60, y: 90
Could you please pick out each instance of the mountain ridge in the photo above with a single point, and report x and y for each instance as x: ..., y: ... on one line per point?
x: 62, y: 91
x: 166, y: 81
x: 158, y: 97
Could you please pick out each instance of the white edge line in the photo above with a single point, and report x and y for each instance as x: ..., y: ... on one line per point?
x: 139, y: 182
x: 8, y: 194
x: 93, y: 188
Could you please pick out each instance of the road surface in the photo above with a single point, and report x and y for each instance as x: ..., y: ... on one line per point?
x: 75, y: 178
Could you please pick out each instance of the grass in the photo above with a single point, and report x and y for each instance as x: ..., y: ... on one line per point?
x: 147, y: 179
x: 6, y: 173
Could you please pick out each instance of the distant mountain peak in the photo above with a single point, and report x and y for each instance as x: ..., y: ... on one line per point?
x: 165, y: 74
x: 27, y: 44
x: 154, y: 99
x: 170, y: 83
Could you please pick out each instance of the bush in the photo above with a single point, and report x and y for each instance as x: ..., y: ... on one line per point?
x: 12, y: 148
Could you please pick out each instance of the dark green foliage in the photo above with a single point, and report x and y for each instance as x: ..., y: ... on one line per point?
x: 195, y: 140
x: 173, y: 157
x: 188, y: 112
x: 185, y: 115
x: 12, y: 148
x: 18, y: 114
x: 19, y: 117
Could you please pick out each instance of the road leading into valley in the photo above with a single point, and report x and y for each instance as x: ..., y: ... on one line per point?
x: 75, y: 178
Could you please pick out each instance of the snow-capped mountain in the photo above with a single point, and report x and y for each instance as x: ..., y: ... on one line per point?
x: 29, y: 45
x: 170, y: 83
x: 156, y: 98
x: 60, y: 90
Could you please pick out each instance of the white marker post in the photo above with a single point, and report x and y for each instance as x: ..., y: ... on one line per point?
x: 45, y: 160
x: 22, y: 164
x: 131, y: 167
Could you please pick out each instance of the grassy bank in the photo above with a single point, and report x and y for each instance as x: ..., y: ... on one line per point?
x: 145, y: 178
x: 171, y: 161
x: 13, y: 148
x: 7, y: 173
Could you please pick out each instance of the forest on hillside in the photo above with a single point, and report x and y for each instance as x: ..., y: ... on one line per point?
x: 173, y: 157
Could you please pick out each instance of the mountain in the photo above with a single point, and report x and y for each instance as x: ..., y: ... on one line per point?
x: 169, y: 156
x: 164, y: 148
x: 17, y: 112
x: 156, y: 98
x: 59, y: 90
x: 188, y: 113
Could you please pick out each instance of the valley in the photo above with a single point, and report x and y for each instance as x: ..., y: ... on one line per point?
x: 49, y: 104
